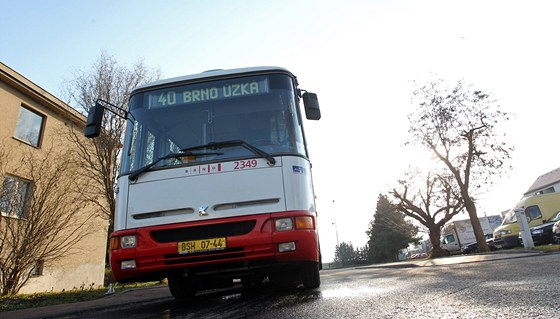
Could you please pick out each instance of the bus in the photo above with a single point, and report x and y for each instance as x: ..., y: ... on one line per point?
x: 216, y: 186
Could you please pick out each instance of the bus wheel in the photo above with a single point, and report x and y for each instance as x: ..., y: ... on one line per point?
x: 310, y: 275
x: 180, y: 287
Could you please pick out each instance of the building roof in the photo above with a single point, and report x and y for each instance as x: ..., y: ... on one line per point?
x: 24, y: 85
x: 545, y: 180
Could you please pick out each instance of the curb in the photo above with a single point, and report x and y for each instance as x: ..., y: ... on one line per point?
x: 117, y: 300
x: 459, y: 259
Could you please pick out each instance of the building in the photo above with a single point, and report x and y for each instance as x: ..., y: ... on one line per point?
x: 546, y: 183
x: 32, y: 128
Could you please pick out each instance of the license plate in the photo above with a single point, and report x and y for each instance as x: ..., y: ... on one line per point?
x: 202, y: 245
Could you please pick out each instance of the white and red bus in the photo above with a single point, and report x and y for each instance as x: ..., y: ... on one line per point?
x: 216, y: 182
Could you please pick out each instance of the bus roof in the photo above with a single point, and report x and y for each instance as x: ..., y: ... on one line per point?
x: 208, y: 75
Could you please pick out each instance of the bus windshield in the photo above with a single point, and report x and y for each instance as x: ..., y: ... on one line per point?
x: 259, y: 110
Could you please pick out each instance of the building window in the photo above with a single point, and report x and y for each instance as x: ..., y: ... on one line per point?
x: 545, y: 191
x: 29, y: 126
x: 38, y: 269
x: 14, y: 197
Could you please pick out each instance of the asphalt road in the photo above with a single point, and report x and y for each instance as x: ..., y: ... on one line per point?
x: 460, y: 287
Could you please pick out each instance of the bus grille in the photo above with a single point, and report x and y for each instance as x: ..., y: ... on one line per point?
x: 229, y: 253
x: 203, y: 232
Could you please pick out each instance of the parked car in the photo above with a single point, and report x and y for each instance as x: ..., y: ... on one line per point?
x: 556, y: 232
x: 473, y: 247
x: 543, y: 234
x: 419, y: 256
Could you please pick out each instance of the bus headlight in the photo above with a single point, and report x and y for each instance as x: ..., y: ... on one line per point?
x: 128, y: 241
x: 283, y: 224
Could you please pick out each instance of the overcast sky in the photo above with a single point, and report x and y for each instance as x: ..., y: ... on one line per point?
x: 360, y: 57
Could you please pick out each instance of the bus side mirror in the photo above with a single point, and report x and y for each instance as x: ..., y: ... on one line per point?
x: 311, y: 104
x: 93, y: 124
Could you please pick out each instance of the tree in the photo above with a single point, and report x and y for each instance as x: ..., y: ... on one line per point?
x: 99, y: 157
x: 459, y: 126
x: 432, y: 200
x: 345, y: 254
x: 388, y: 232
x: 362, y: 254
x: 41, y: 220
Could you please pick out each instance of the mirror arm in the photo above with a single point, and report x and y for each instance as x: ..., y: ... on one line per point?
x: 94, y: 121
x: 104, y: 105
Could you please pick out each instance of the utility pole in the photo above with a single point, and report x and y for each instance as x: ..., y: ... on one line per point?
x: 334, y: 223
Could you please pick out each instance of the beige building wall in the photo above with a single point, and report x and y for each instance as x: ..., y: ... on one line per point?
x: 85, y: 267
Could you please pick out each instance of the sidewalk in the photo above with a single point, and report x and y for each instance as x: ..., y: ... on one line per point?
x: 116, y: 300
x: 161, y: 293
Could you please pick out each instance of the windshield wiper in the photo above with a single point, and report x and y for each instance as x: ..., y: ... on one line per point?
x: 134, y: 175
x: 218, y: 145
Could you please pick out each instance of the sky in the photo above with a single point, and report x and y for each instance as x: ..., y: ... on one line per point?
x: 359, y: 57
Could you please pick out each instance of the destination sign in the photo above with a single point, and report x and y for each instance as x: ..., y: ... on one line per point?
x: 191, y: 94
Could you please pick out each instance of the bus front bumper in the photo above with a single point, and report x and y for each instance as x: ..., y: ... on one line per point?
x: 252, y: 244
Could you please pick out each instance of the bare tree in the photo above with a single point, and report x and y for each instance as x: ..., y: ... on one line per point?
x: 111, y: 82
x: 459, y: 126
x: 41, y: 219
x: 432, y: 203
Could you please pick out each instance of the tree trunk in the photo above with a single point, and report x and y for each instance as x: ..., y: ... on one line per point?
x: 477, y: 228
x: 437, y: 251
x: 9, y: 288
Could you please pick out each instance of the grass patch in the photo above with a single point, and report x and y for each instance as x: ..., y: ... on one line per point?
x: 543, y: 248
x: 24, y: 301
x: 547, y: 248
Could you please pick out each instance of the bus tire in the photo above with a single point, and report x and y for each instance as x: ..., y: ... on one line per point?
x: 180, y: 287
x: 310, y: 277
